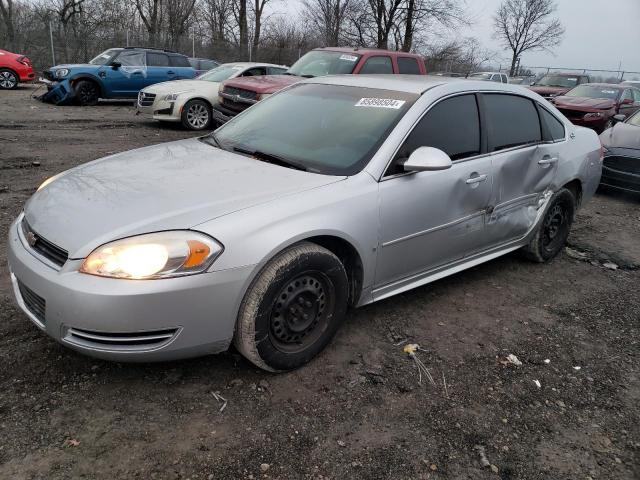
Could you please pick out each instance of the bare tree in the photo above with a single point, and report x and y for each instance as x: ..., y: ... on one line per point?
x: 178, y: 12
x: 258, y: 12
x: 328, y: 17
x: 6, y: 11
x: 151, y: 13
x: 418, y: 14
x: 526, y: 25
x: 241, y: 17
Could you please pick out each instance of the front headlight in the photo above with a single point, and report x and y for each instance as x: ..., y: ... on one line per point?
x: 63, y: 72
x: 154, y: 255
x: 172, y: 97
x: 593, y: 115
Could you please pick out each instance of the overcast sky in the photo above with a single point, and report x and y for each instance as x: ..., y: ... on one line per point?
x: 599, y: 33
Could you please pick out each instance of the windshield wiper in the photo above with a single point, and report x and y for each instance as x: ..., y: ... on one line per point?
x: 271, y: 158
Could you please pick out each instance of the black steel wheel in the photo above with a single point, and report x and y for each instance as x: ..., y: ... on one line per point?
x: 87, y: 93
x: 554, y: 228
x: 293, y: 308
x: 8, y: 79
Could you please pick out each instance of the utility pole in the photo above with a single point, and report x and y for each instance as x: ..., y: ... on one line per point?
x: 193, y: 42
x: 127, y: 37
x: 53, y: 52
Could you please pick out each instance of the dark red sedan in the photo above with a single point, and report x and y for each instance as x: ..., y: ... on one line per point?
x: 593, y: 105
x: 14, y: 68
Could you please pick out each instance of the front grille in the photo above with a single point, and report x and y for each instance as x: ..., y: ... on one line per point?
x: 240, y: 92
x: 575, y: 114
x: 127, y: 342
x: 44, y: 247
x: 146, y: 99
x: 34, y: 302
x: 623, y: 164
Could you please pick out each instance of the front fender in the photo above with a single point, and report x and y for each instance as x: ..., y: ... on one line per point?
x: 75, y: 78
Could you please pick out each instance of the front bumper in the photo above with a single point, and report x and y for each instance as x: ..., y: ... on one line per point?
x: 58, y: 92
x: 127, y: 320
x: 621, y: 170
x: 160, y: 110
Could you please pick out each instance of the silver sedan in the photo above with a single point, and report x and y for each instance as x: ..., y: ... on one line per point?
x: 334, y: 193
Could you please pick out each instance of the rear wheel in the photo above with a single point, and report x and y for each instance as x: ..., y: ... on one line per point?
x: 196, y: 115
x: 554, y: 230
x: 87, y: 93
x: 293, y: 308
x: 8, y: 79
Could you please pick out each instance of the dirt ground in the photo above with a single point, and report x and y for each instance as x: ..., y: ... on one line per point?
x: 357, y: 411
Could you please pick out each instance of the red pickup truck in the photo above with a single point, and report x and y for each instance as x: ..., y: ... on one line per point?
x: 240, y: 93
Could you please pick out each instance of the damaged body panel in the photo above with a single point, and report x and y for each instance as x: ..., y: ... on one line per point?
x: 336, y: 191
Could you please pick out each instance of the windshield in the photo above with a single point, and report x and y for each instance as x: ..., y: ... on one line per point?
x: 322, y: 62
x: 104, y: 57
x: 221, y: 73
x: 635, y: 119
x: 481, y: 76
x: 557, y: 81
x: 594, y: 91
x: 328, y: 129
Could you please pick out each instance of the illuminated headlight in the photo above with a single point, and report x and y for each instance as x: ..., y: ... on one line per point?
x: 594, y: 115
x: 172, y: 97
x: 63, y: 72
x: 154, y: 255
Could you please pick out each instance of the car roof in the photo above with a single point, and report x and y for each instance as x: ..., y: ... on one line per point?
x: 366, y: 50
x: 416, y: 84
x: 253, y: 64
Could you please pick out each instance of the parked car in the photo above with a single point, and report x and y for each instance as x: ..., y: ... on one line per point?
x: 115, y: 73
x: 555, y: 84
x: 594, y: 105
x: 490, y: 77
x: 621, y: 164
x: 239, y: 94
x: 447, y: 74
x: 339, y: 191
x: 525, y: 81
x: 202, y: 65
x: 14, y: 69
x: 191, y: 101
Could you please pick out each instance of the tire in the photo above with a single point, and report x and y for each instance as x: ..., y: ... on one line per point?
x: 8, y: 79
x: 196, y: 115
x: 554, y: 228
x: 293, y: 308
x: 87, y: 93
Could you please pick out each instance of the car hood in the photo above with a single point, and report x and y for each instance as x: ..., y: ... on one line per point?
x: 584, y: 103
x: 182, y: 85
x: 75, y: 65
x: 546, y: 91
x: 265, y: 83
x: 622, y: 135
x: 170, y: 186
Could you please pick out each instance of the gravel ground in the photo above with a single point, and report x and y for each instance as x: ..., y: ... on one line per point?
x: 358, y: 410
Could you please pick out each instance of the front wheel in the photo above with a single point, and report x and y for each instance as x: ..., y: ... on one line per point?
x: 87, y: 93
x: 554, y: 229
x: 8, y: 79
x: 196, y: 115
x: 293, y: 308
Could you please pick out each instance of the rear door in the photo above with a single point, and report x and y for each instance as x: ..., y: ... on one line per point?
x: 158, y: 69
x: 429, y: 219
x: 524, y: 164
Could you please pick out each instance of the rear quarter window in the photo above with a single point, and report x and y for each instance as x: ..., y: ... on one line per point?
x: 512, y: 121
x: 408, y: 66
x: 555, y: 128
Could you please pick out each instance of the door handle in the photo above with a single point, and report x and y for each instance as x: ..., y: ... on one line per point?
x: 171, y: 72
x: 547, y: 161
x: 476, y: 179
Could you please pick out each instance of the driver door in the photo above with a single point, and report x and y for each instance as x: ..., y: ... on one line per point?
x: 432, y: 218
x: 129, y: 77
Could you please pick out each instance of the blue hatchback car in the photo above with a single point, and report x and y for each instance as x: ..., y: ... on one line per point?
x: 115, y: 73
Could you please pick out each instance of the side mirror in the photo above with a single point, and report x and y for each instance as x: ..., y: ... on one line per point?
x: 116, y: 65
x: 619, y: 118
x: 627, y: 101
x: 427, y: 159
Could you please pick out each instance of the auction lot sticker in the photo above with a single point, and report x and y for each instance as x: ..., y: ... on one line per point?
x: 380, y: 103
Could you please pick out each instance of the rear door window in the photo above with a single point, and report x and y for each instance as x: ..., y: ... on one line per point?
x: 408, y: 65
x: 452, y: 125
x: 207, y: 64
x: 555, y: 128
x: 275, y: 70
x: 179, y: 61
x: 378, y: 64
x: 511, y: 120
x: 157, y: 59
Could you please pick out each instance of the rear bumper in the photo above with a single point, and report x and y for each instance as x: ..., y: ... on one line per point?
x: 26, y: 75
x: 127, y: 320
